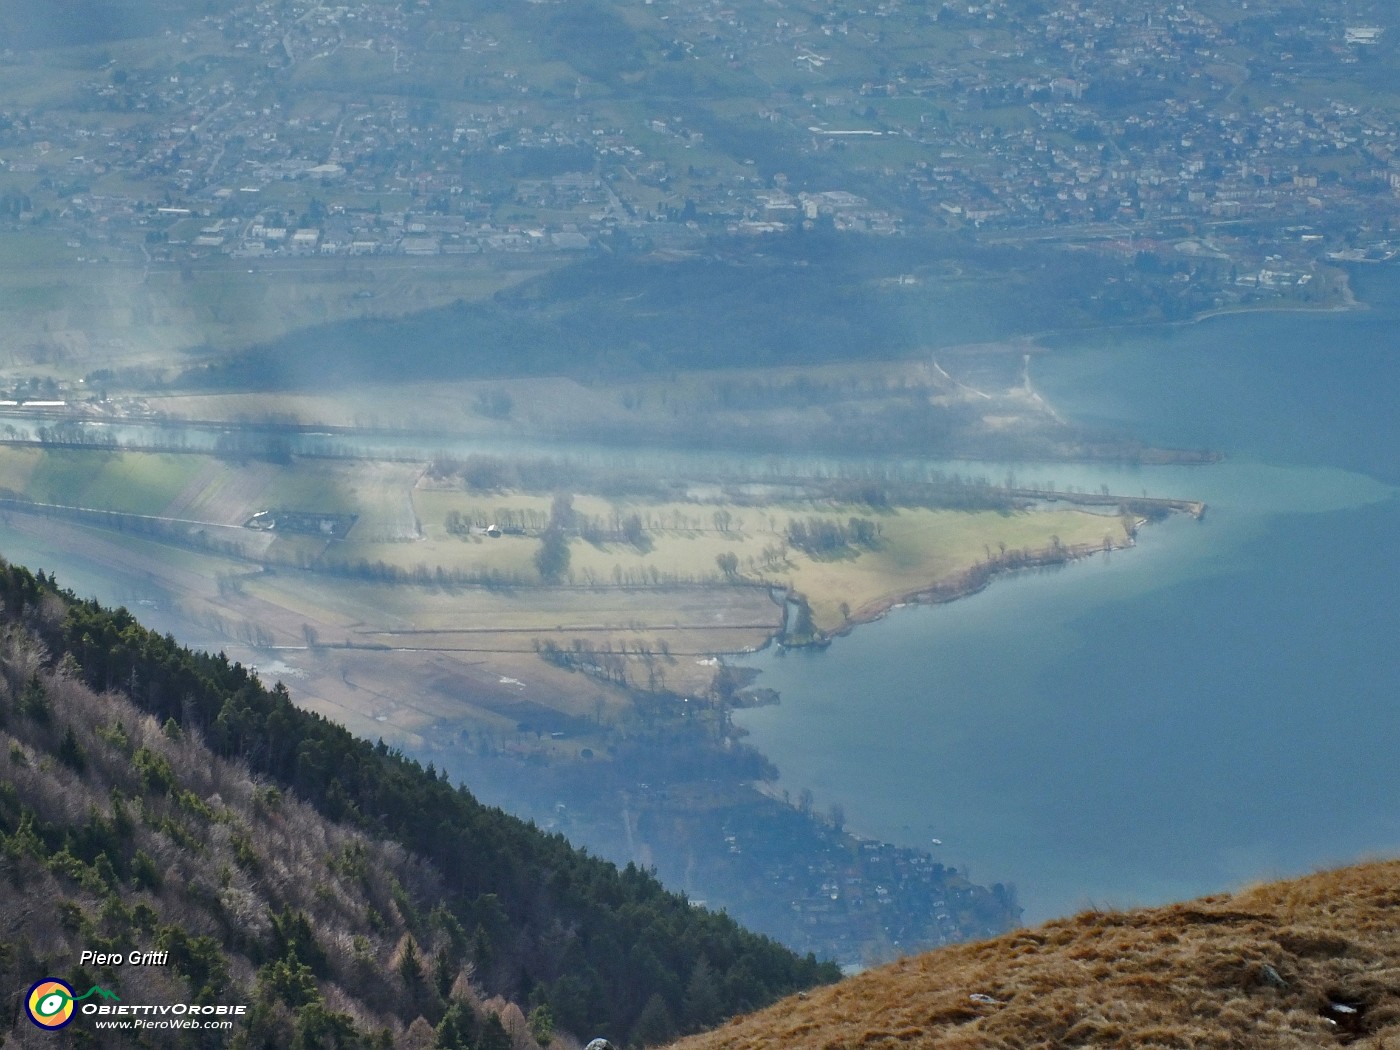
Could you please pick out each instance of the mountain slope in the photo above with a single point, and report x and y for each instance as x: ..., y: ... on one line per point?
x: 118, y: 835
x: 1311, y: 963
x: 524, y: 914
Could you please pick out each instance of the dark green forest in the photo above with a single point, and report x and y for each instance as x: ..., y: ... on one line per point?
x: 471, y: 903
x: 806, y: 298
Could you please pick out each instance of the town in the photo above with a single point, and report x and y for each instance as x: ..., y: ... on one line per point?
x: 1198, y: 144
x: 188, y: 208
x: 778, y: 864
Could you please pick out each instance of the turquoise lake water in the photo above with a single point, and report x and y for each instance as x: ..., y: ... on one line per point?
x: 1219, y: 705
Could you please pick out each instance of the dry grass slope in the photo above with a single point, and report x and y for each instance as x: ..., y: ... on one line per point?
x: 1313, y: 962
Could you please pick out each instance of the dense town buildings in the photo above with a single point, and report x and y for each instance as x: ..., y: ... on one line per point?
x: 296, y: 129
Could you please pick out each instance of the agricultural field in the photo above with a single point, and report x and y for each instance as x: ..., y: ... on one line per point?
x: 683, y: 542
x: 206, y: 489
x: 553, y: 406
x: 429, y: 581
x: 134, y: 483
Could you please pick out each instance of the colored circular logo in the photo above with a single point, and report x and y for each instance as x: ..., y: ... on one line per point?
x: 50, y: 1003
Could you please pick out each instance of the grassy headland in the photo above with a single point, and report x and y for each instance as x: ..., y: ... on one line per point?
x: 445, y: 560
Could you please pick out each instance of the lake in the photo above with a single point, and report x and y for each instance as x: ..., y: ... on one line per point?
x: 1216, y: 706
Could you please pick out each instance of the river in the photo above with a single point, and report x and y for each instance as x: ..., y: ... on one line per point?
x: 1214, y: 707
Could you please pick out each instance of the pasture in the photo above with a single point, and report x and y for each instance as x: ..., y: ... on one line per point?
x: 418, y: 624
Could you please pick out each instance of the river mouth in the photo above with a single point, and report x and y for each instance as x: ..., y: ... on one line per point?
x: 1136, y: 727
x: 1211, y: 708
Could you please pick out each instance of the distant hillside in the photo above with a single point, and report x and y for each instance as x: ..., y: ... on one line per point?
x: 155, y: 799
x: 1310, y: 963
x: 63, y: 23
x: 630, y: 314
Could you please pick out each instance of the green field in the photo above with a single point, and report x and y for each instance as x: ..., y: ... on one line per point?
x: 408, y: 629
x: 682, y: 541
x: 132, y: 482
x: 206, y: 488
x: 403, y: 523
x: 408, y: 626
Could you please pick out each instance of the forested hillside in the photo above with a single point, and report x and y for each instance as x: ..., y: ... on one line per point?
x: 158, y: 799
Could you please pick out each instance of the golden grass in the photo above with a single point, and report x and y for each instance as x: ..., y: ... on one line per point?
x: 402, y: 524
x: 922, y: 547
x: 619, y: 596
x: 919, y: 547
x: 468, y: 655
x: 1272, y: 966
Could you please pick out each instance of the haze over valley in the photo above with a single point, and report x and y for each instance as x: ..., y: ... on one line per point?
x: 889, y: 473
